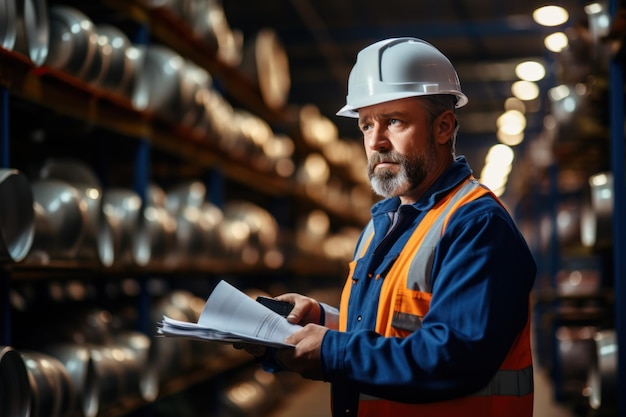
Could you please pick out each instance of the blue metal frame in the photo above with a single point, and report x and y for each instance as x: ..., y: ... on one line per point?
x: 214, y: 181
x: 5, y: 308
x: 4, y: 133
x: 141, y: 181
x: 616, y: 81
x: 5, y: 278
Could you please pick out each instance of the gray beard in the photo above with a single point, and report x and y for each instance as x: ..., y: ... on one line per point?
x: 388, y: 184
x: 411, y: 174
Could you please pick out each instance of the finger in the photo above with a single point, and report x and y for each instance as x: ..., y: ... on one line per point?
x: 293, y: 317
x: 289, y: 297
x: 295, y: 338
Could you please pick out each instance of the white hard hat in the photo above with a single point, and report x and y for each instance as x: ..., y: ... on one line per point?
x: 397, y: 68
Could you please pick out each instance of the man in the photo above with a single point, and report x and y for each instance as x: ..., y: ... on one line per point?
x: 434, y: 316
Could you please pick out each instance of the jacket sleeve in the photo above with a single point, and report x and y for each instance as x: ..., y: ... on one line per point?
x: 482, y: 275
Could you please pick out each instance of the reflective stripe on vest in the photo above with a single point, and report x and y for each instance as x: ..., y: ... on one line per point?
x: 504, y: 383
x: 366, y: 237
x: 516, y: 383
x: 420, y: 271
x: 422, y: 264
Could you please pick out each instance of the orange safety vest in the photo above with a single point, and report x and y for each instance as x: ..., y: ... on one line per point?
x: 405, y: 300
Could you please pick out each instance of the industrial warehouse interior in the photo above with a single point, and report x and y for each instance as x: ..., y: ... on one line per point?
x: 152, y: 148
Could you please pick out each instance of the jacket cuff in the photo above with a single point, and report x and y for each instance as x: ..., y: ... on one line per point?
x: 329, y: 316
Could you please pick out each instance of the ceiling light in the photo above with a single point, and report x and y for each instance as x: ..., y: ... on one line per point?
x: 564, y: 102
x: 511, y: 122
x: 593, y: 8
x: 514, y: 103
x: 599, y: 21
x: 525, y: 90
x: 559, y: 92
x: 550, y: 15
x: 556, y: 42
x: 493, y: 178
x: 569, y: 104
x: 498, y: 164
x: 598, y: 180
x: 500, y: 155
x: 508, y: 139
x: 530, y: 71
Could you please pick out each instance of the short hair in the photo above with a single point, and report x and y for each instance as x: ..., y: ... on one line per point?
x: 438, y: 103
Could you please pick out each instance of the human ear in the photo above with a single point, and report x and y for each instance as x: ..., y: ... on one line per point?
x: 444, y: 126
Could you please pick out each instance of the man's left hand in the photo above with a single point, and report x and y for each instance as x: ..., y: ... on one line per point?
x: 305, y: 357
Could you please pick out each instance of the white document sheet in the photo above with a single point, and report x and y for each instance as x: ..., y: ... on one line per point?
x: 231, y: 316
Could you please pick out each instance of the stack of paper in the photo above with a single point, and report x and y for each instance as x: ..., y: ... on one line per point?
x: 230, y: 316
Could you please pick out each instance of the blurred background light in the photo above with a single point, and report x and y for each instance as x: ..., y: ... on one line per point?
x: 550, y: 15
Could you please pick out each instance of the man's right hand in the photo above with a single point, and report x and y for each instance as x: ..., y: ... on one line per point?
x: 306, y: 309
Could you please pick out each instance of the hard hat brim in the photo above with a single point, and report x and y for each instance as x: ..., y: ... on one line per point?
x: 351, y: 110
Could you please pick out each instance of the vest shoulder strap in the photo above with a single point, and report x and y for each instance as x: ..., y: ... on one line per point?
x: 366, y: 237
x: 422, y: 263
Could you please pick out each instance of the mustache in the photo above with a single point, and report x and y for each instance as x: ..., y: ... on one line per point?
x: 389, y: 156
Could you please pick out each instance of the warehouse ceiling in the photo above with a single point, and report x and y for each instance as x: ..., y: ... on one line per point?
x: 484, y: 39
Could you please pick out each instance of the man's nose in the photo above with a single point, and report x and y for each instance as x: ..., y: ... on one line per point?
x: 377, y: 139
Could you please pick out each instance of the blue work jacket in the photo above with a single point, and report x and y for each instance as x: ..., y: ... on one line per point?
x: 482, y: 275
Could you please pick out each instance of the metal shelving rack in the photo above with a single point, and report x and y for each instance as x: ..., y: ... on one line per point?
x: 69, y: 97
